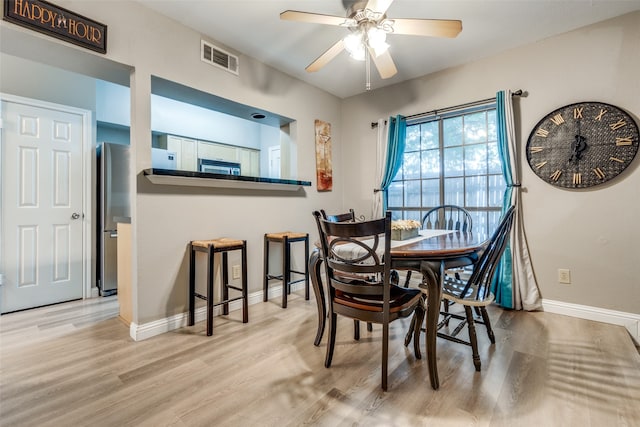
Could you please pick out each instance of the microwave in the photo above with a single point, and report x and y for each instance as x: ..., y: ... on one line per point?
x: 218, y: 166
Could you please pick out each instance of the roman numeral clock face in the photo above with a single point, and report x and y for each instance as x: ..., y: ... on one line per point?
x: 582, y: 145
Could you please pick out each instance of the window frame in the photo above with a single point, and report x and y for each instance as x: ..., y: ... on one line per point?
x: 485, y: 217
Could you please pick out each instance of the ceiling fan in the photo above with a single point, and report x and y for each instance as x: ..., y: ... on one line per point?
x: 369, y: 25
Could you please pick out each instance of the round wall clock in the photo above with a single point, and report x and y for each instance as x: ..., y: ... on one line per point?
x: 581, y: 145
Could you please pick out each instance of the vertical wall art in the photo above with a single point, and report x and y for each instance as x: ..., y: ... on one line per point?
x: 324, y: 171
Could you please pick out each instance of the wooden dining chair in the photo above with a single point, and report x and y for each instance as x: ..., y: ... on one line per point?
x: 351, y: 217
x: 444, y: 217
x: 341, y: 217
x: 473, y: 293
x: 357, y: 266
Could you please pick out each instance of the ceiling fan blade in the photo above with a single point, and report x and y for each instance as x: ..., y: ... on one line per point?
x: 384, y: 64
x: 326, y: 57
x: 316, y: 18
x: 379, y: 6
x: 427, y: 27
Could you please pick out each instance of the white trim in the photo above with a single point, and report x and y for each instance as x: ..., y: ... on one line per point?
x: 87, y: 183
x: 630, y: 321
x: 160, y: 326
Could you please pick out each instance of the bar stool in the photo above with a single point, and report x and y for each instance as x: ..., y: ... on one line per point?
x: 286, y: 238
x: 211, y: 247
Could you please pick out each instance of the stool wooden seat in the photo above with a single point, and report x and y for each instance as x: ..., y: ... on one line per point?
x: 211, y: 247
x: 286, y: 238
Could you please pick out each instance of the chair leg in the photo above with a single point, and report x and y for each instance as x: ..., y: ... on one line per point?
x: 418, y: 318
x: 385, y: 354
x: 407, y: 279
x: 369, y: 327
x: 473, y: 339
x: 356, y: 329
x: 395, y: 277
x: 412, y: 327
x: 487, y: 323
x: 445, y: 308
x: 331, y: 339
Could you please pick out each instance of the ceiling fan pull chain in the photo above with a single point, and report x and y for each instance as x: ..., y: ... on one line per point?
x: 367, y: 68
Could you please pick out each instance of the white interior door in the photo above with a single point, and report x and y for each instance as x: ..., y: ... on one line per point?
x: 42, y: 209
x: 274, y: 162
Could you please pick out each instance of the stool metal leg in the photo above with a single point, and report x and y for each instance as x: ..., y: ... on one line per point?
x: 265, y: 286
x: 225, y: 283
x: 306, y: 268
x: 286, y: 271
x: 210, y: 293
x: 245, y: 302
x: 192, y: 285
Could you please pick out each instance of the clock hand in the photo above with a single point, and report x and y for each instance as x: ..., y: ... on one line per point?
x: 577, y: 147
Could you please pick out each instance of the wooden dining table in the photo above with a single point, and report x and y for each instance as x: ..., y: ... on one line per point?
x: 431, y: 254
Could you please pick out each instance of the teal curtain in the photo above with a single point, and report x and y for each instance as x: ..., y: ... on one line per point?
x: 395, y: 151
x: 503, y: 280
x: 514, y: 285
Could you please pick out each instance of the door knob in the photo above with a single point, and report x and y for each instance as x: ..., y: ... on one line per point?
x: 75, y: 215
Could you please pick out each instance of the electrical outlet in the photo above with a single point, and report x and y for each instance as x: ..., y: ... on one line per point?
x: 564, y: 275
x: 235, y: 272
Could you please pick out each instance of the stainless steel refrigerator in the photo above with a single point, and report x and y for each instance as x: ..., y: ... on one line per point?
x: 113, y: 207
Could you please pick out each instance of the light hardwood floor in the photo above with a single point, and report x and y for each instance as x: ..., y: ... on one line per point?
x: 75, y: 365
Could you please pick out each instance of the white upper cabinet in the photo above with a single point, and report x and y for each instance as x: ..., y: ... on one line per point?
x: 185, y: 149
x: 188, y: 151
x: 212, y: 151
x: 249, y: 161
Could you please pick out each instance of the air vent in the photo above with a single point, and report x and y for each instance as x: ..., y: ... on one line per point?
x: 215, y: 56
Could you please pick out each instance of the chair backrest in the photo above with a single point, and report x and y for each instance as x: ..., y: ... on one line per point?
x: 341, y: 217
x: 483, y: 270
x: 356, y: 256
x: 448, y: 217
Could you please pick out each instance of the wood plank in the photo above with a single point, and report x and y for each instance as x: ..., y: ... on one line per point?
x: 75, y: 364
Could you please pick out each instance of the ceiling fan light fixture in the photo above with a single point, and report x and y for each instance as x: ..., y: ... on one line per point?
x: 354, y: 44
x: 376, y: 39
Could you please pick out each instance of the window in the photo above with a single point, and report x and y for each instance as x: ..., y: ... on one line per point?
x: 451, y: 159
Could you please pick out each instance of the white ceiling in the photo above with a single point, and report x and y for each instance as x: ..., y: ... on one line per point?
x: 254, y: 28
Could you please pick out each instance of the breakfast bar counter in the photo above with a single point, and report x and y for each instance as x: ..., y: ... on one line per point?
x: 204, y: 179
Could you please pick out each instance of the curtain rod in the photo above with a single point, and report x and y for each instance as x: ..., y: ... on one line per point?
x: 518, y: 92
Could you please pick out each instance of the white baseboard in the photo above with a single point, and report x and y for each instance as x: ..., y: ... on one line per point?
x: 160, y: 326
x: 630, y: 321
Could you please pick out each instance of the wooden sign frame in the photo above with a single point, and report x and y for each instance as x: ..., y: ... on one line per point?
x: 58, y: 22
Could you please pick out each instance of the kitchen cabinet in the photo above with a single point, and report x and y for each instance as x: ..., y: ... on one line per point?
x: 249, y: 161
x: 185, y: 149
x: 212, y: 151
x: 188, y: 151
